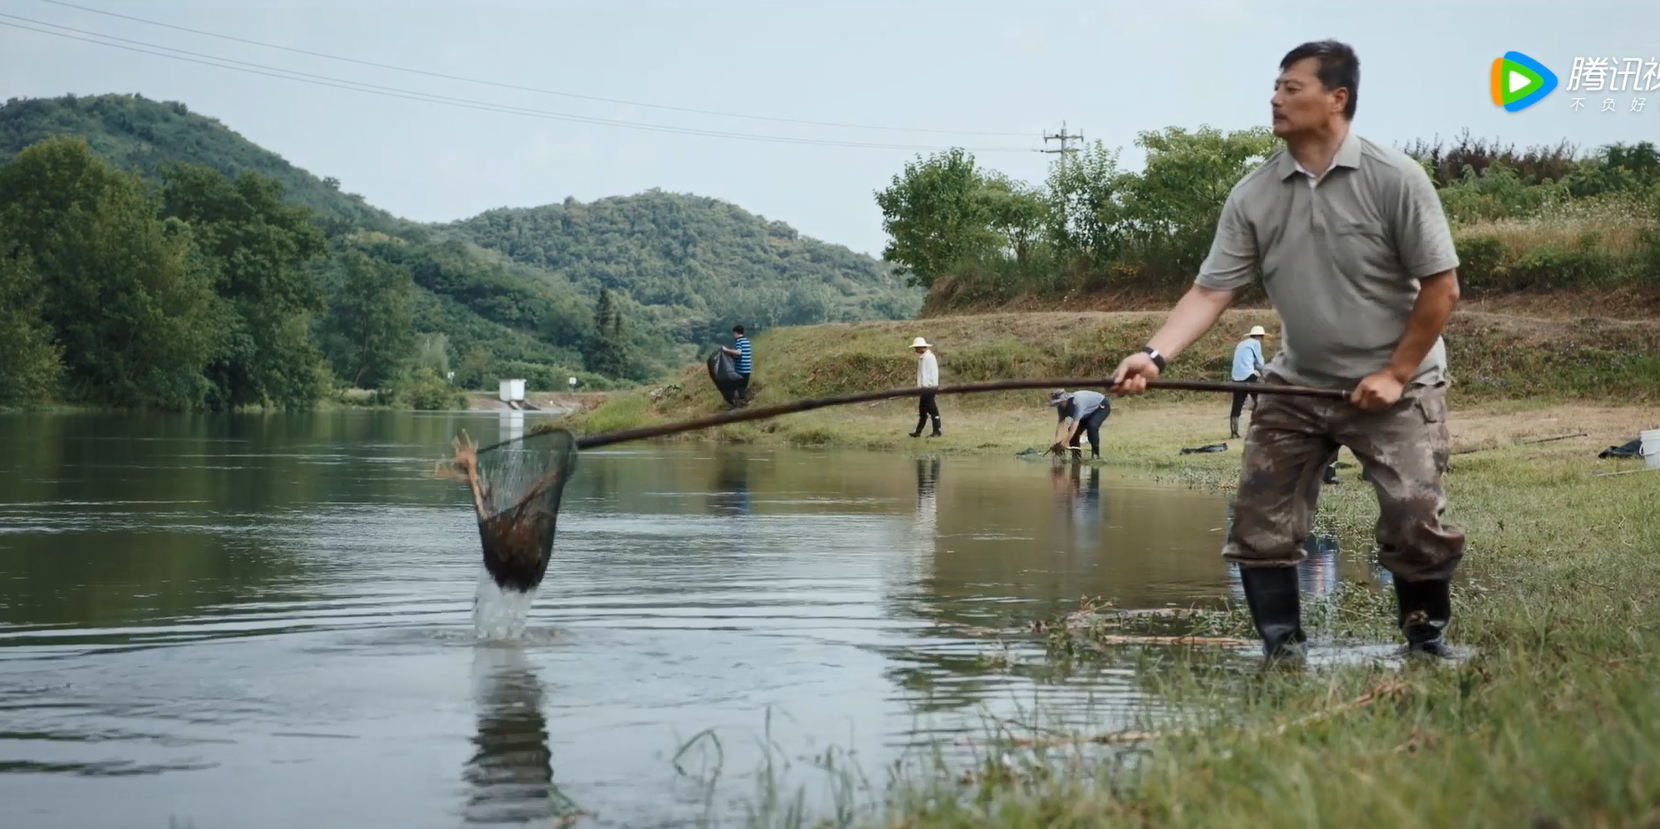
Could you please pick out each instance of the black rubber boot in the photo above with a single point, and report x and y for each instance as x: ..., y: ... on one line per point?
x: 1233, y: 428
x: 1331, y: 475
x: 1423, y: 609
x: 1276, y: 608
x: 921, y: 421
x: 936, y: 433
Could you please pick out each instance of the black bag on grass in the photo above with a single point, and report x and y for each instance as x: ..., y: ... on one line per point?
x: 723, y: 370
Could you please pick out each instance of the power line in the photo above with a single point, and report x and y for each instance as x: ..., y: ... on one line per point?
x: 521, y: 88
x: 414, y: 95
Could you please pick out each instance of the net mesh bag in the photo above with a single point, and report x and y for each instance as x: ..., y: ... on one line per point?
x: 516, y: 487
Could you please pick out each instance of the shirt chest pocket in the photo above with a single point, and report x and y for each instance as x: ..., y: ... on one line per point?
x: 1362, y: 248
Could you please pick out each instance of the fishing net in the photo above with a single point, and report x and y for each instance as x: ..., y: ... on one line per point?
x: 516, y: 487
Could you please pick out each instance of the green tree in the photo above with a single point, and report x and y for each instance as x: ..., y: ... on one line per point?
x: 259, y: 247
x: 937, y: 216
x: 127, y: 299
x: 433, y: 351
x: 370, y: 331
x: 32, y: 359
x: 607, y: 352
x: 1087, y: 218
x: 1616, y: 168
x: 1170, y: 210
x: 1017, y: 213
x: 475, y: 367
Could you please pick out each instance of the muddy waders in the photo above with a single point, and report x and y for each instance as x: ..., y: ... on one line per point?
x: 1422, y: 610
x: 1275, y: 606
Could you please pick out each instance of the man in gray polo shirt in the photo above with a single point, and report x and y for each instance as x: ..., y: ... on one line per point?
x: 1359, y: 262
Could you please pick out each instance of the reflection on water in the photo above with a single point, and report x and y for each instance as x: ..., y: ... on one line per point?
x: 512, y: 424
x: 730, y: 493
x: 927, y: 499
x: 510, y: 773
x: 268, y: 621
x: 1318, y: 574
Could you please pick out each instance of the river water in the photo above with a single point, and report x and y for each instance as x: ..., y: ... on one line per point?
x: 267, y: 620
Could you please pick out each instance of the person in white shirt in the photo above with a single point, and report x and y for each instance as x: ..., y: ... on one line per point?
x: 927, y: 377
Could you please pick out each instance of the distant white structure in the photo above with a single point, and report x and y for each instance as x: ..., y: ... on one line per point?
x: 573, y: 382
x: 512, y: 391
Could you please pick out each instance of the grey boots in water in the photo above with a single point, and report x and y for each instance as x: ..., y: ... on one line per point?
x: 1423, y: 609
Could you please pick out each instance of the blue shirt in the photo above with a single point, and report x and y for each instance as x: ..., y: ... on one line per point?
x: 1247, y: 358
x: 743, y: 355
x: 1082, y: 405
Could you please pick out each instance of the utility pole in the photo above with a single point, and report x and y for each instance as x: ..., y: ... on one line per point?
x: 1063, y: 136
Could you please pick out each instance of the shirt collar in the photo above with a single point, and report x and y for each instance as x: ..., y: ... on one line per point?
x: 1348, y: 155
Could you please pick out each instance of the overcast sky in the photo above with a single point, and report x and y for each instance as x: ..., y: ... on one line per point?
x: 1109, y: 69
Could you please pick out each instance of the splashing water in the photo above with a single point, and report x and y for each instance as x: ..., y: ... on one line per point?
x: 497, y: 613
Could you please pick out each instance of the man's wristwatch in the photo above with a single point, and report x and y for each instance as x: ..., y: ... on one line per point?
x: 1158, y: 359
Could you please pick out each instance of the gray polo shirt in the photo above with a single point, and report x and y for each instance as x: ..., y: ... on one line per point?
x: 1340, y: 259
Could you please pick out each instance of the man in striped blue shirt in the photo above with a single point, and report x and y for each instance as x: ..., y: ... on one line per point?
x: 743, y: 355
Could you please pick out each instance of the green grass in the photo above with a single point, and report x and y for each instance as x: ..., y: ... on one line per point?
x: 1554, y: 721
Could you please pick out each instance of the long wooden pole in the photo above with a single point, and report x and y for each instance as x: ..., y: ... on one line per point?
x: 743, y: 415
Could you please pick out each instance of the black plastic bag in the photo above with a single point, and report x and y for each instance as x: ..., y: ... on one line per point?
x: 723, y: 370
x: 1631, y: 449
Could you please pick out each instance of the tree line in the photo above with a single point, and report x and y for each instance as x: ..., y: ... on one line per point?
x: 539, y: 293
x: 1540, y: 218
x: 203, y: 292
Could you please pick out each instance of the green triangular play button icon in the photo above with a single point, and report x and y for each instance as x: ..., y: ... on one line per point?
x: 1521, y: 81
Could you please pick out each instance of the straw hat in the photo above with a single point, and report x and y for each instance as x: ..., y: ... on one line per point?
x: 920, y: 343
x: 1257, y: 331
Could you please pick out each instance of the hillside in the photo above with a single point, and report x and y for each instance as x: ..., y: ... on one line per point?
x: 142, y: 135
x: 699, y: 263
x: 514, y: 290
x: 1495, y: 358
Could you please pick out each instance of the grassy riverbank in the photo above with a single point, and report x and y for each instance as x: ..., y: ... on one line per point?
x: 1554, y: 720
x: 1502, y: 363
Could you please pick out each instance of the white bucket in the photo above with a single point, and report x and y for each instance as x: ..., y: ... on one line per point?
x: 1651, y: 448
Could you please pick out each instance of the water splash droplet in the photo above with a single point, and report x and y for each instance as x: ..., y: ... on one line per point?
x: 499, y: 614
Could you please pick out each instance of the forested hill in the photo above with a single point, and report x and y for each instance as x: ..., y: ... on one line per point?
x: 138, y: 134
x: 512, y: 292
x: 700, y: 263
